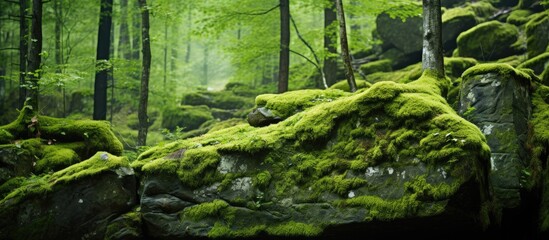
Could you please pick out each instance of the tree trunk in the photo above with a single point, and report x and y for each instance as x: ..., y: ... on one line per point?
x: 102, y: 61
x: 284, y: 57
x: 344, y: 46
x: 174, y: 54
x: 58, y: 11
x: 432, y: 57
x: 165, y: 54
x: 205, y: 67
x: 144, y: 92
x: 124, y: 47
x: 34, y: 55
x: 136, y: 32
x: 23, y: 51
x: 189, y: 34
x: 330, y: 63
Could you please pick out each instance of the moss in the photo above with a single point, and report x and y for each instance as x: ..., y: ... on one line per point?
x: 383, y: 65
x: 127, y: 225
x: 216, y: 208
x: 187, y: 117
x: 338, y: 184
x: 220, y: 230
x: 405, y: 75
x: 262, y: 179
x: 344, y: 85
x: 514, y: 60
x: 294, y: 229
x: 289, y: 103
x: 10, y: 185
x: 457, y: 12
x: 5, y: 136
x: 489, y: 41
x: 536, y: 27
x: 382, y: 209
x: 426, y: 191
x: 519, y: 17
x: 455, y: 66
x: 498, y: 68
x: 38, y: 185
x: 56, y: 158
x: 538, y: 63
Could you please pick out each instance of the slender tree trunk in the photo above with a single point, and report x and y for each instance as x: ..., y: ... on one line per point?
x: 102, y: 61
x: 23, y: 51
x: 124, y: 46
x: 58, y: 11
x: 174, y: 53
x: 189, y: 35
x: 432, y: 57
x: 110, y: 77
x: 35, y: 59
x: 330, y: 62
x: 136, y: 32
x: 144, y: 92
x: 284, y: 57
x: 345, y: 46
x: 205, y: 67
x: 165, y: 54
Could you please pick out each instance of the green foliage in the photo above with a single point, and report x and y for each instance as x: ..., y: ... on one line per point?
x: 295, y: 229
x: 216, y: 208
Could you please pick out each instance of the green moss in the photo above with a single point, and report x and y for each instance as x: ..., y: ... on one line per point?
x: 10, y: 185
x: 455, y: 66
x: 289, y: 103
x: 536, y: 27
x: 220, y: 230
x: 38, y: 185
x: 489, y: 41
x: 405, y: 75
x: 519, y: 17
x: 538, y: 63
x: 216, y: 208
x: 457, y: 12
x: 426, y: 191
x: 5, y: 136
x: 383, y: 65
x: 498, y: 68
x: 127, y: 225
x: 382, y: 209
x: 187, y: 117
x: 56, y: 158
x: 294, y: 229
x: 344, y: 85
x: 338, y: 184
x: 262, y: 179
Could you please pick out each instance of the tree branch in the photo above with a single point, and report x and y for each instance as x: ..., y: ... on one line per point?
x: 258, y: 13
x: 311, y: 61
x: 4, y: 49
x: 8, y: 1
x: 312, y: 51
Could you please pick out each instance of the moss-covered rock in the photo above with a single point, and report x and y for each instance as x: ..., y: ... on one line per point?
x: 393, y: 152
x: 489, y: 41
x: 519, y: 17
x: 72, y: 203
x: 383, y: 65
x: 536, y: 32
x: 224, y: 99
x: 538, y: 63
x: 185, y: 116
x: 344, y: 85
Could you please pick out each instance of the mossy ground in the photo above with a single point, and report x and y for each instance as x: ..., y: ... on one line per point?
x: 322, y: 142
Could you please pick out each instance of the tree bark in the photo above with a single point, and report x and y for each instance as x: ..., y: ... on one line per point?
x: 58, y: 11
x: 144, y: 91
x: 136, y: 32
x: 345, y: 46
x: 330, y: 63
x: 102, y: 59
x: 284, y: 56
x: 34, y: 59
x: 432, y: 57
x: 190, y: 22
x: 124, y: 47
x: 23, y: 51
x: 165, y: 54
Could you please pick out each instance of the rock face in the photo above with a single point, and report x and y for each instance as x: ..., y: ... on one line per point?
x: 496, y: 97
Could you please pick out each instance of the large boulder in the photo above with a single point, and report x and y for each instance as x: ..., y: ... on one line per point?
x: 185, y: 117
x: 74, y: 203
x: 490, y: 41
x: 389, y: 160
x: 497, y: 98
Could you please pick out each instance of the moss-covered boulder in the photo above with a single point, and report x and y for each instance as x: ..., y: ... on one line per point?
x: 36, y: 144
x: 538, y: 64
x: 366, y: 162
x: 75, y: 203
x: 490, y: 41
x: 344, y: 85
x: 455, y: 21
x: 496, y: 97
x: 536, y: 32
x: 383, y: 65
x: 185, y: 116
x: 519, y: 17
